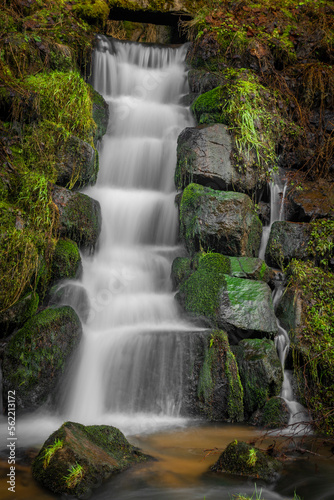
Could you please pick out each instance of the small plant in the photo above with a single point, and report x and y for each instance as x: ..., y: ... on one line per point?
x: 75, y: 475
x: 50, y: 451
x: 251, y: 461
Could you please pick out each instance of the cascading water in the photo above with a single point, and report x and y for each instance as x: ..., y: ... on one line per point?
x: 131, y: 356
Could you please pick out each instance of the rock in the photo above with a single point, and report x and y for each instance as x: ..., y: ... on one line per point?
x: 36, y: 355
x: 77, y: 458
x: 204, y: 157
x: 242, y: 459
x: 201, y: 81
x: 100, y: 114
x: 241, y: 307
x: 260, y: 371
x: 220, y: 221
x: 287, y: 240
x: 79, y: 217
x: 310, y: 200
x: 16, y: 315
x: 181, y: 269
x: 263, y: 211
x: 251, y: 268
x: 274, y: 415
x: 66, y: 262
x: 77, y: 163
x: 73, y: 294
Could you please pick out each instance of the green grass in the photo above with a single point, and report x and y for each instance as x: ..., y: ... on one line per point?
x: 50, y: 451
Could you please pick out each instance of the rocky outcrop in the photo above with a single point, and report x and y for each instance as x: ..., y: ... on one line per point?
x: 242, y: 459
x: 77, y: 458
x: 37, y: 354
x: 79, y: 217
x: 221, y: 221
x: 287, y: 240
x: 260, y: 371
x: 204, y: 157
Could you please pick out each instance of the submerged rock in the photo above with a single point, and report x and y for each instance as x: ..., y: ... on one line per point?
x: 36, y: 355
x: 287, y: 240
x: 79, y: 217
x: 221, y: 221
x: 260, y: 371
x: 77, y: 458
x: 204, y: 157
x: 244, y: 460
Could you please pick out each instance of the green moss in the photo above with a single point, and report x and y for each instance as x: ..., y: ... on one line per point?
x: 66, y: 260
x: 208, y: 107
x: 180, y: 270
x: 93, y: 11
x: 275, y: 413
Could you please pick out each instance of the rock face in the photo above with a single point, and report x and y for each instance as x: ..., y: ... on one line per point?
x: 287, y: 240
x: 36, y: 355
x: 220, y: 221
x: 77, y: 458
x: 261, y: 372
x: 77, y: 164
x: 204, y: 157
x: 79, y: 217
x: 243, y: 460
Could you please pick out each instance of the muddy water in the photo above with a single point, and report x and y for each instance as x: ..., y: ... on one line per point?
x: 179, y: 470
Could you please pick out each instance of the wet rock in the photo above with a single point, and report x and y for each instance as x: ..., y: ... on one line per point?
x: 181, y: 269
x: 79, y: 217
x: 310, y: 200
x: 15, y: 316
x: 74, y: 294
x: 100, y: 114
x: 201, y: 81
x: 274, y: 415
x: 37, y: 354
x: 287, y: 240
x: 220, y: 221
x: 77, y: 458
x: 244, y: 460
x: 260, y: 371
x: 66, y: 261
x: 204, y: 157
x: 251, y: 268
x: 77, y: 163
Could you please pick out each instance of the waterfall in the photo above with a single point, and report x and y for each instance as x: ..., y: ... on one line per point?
x: 131, y: 356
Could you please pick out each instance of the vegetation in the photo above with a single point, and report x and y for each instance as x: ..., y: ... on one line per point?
x: 75, y: 476
x: 51, y: 450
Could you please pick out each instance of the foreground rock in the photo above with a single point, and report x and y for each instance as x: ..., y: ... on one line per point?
x: 79, y: 217
x: 77, y: 458
x: 204, y: 157
x: 241, y: 307
x: 260, y: 371
x: 36, y: 355
x: 221, y: 221
x: 244, y: 460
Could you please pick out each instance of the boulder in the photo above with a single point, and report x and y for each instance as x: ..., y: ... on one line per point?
x: 15, y: 316
x: 37, y: 354
x: 181, y: 269
x: 79, y: 217
x: 221, y: 221
x: 309, y: 200
x: 274, y: 415
x: 66, y: 262
x: 241, y: 307
x: 100, y: 114
x: 204, y: 157
x: 287, y: 240
x: 77, y: 164
x: 77, y: 458
x: 242, y: 459
x: 260, y: 371
x: 251, y: 268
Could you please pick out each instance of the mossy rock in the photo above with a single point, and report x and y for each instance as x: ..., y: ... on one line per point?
x: 260, y: 370
x: 66, y: 262
x: 94, y: 12
x: 242, y: 459
x: 79, y: 217
x: 274, y: 415
x: 77, y: 163
x: 91, y: 453
x: 36, y: 355
x: 288, y: 240
x: 201, y: 81
x: 251, y: 268
x: 100, y: 114
x: 181, y: 269
x: 15, y: 316
x: 220, y: 221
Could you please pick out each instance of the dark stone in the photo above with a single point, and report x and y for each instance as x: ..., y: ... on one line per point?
x: 287, y: 240
x: 244, y: 460
x: 15, y: 316
x: 310, y: 200
x: 180, y: 270
x: 79, y: 217
x: 274, y: 415
x: 93, y: 453
x: 260, y: 371
x: 77, y: 164
x: 201, y: 81
x: 66, y: 261
x: 36, y: 355
x: 100, y: 114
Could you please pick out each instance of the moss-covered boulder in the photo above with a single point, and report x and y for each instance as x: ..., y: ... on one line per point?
x: 274, y: 415
x: 66, y: 262
x: 77, y: 163
x: 241, y: 307
x: 15, y: 316
x: 221, y: 221
x: 37, y: 354
x: 79, y: 217
x: 100, y: 115
x: 181, y: 269
x: 287, y: 240
x: 244, y: 460
x: 204, y: 157
x: 260, y: 370
x: 77, y: 458
x: 251, y: 268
